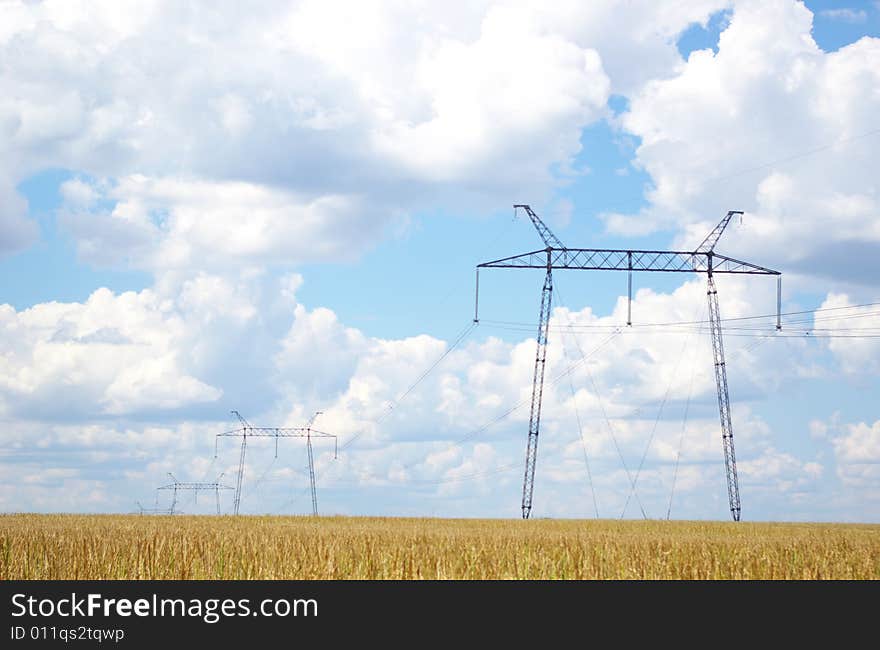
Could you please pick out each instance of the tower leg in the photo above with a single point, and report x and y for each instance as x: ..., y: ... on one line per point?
x: 537, y: 394
x: 723, y: 401
x: 312, y: 476
x: 240, y: 472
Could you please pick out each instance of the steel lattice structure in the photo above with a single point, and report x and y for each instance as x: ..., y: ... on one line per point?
x: 723, y: 401
x: 703, y: 259
x: 538, y: 383
x: 247, y: 430
x: 193, y: 487
x: 611, y: 259
x: 153, y: 511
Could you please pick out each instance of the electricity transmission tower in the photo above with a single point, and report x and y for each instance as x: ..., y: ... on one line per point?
x: 703, y: 259
x: 152, y: 511
x: 247, y: 430
x: 193, y: 487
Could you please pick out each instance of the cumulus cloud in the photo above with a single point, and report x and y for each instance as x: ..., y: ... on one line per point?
x: 165, y: 349
x: 207, y: 143
x: 397, y: 107
x: 772, y: 125
x: 165, y: 223
x: 319, y: 354
x: 779, y: 471
x: 118, y: 352
x: 135, y: 356
x: 858, y: 455
x: 645, y: 49
x: 858, y: 356
x: 480, y: 396
x: 16, y: 231
x: 284, y: 113
x: 845, y: 14
x: 478, y: 99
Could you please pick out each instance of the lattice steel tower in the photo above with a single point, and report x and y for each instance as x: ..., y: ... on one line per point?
x: 214, y: 487
x: 701, y: 260
x: 249, y: 431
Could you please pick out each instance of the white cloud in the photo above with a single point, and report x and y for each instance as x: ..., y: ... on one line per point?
x: 644, y: 49
x: 205, y: 141
x: 198, y: 345
x: 112, y: 354
x: 846, y: 15
x: 818, y: 429
x: 479, y: 382
x: 858, y: 455
x: 860, y: 445
x: 16, y: 231
x: 779, y: 471
x: 165, y: 223
x: 78, y: 192
x: 774, y: 126
x: 813, y: 469
x: 319, y: 354
x: 480, y: 103
x: 235, y: 114
x: 285, y: 107
x: 857, y: 355
x: 398, y: 107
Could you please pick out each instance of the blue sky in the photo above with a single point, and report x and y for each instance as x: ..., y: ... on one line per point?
x: 280, y: 216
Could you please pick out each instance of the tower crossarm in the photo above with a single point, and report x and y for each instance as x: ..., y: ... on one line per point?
x: 194, y: 486
x: 275, y: 432
x: 619, y: 259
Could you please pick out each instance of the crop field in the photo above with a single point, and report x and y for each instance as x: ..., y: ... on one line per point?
x: 181, y: 547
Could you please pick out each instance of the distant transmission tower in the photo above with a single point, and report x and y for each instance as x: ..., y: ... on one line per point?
x: 193, y: 487
x: 701, y: 260
x: 249, y: 431
x: 152, y: 511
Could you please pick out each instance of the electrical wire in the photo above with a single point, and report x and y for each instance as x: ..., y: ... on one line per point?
x: 565, y: 373
x: 723, y: 321
x: 687, y: 407
x: 473, y: 434
x: 656, y: 422
x: 607, y: 420
x: 675, y: 327
x: 577, y: 416
x: 796, y: 156
x: 463, y: 334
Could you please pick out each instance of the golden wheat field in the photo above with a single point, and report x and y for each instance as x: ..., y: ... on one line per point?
x: 181, y: 547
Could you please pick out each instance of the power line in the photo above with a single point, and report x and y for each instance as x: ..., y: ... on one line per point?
x: 459, y: 339
x: 485, y: 321
x: 656, y: 422
x: 505, y: 414
x: 473, y: 434
x: 796, y: 156
x: 463, y: 334
x: 807, y: 333
x: 687, y: 407
x: 583, y: 442
x: 608, y: 424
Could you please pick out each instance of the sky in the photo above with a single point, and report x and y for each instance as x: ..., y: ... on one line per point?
x: 279, y: 210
